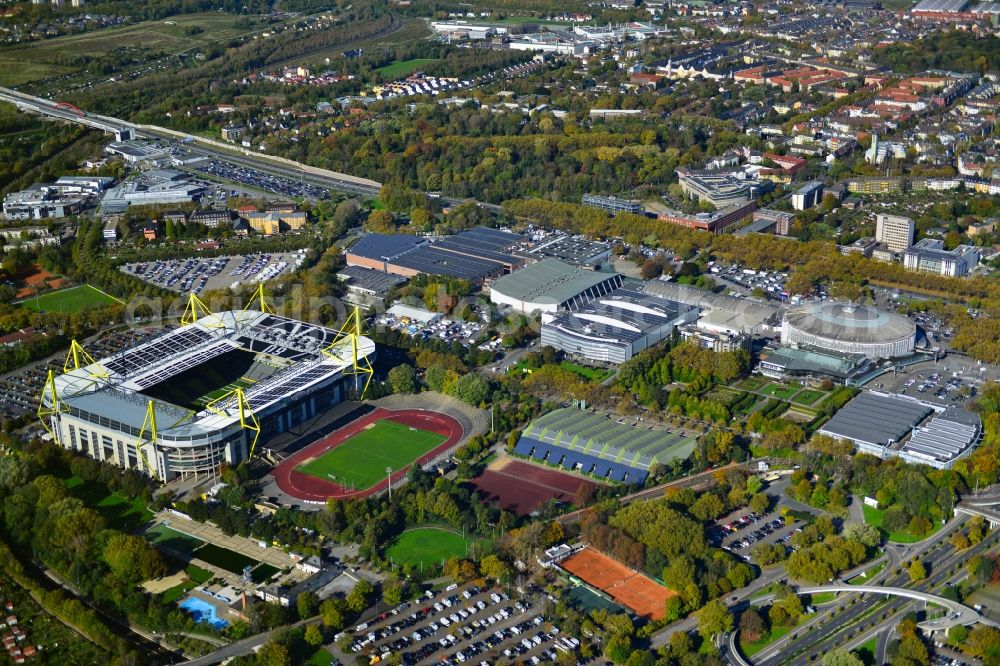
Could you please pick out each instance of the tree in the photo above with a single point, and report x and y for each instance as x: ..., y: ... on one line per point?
x: 759, y: 503
x: 306, y: 604
x: 472, y: 389
x: 864, y: 534
x: 713, y: 619
x: 313, y: 635
x: 392, y: 591
x: 331, y: 615
x: 674, y: 609
x: 357, y: 599
x: 132, y: 559
x: 274, y: 654
x: 402, y: 379
x: 752, y: 626
x: 380, y: 221
x: 917, y: 571
x: 839, y: 657
x: 493, y: 567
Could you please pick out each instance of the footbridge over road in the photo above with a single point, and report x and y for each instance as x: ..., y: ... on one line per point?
x: 958, y: 614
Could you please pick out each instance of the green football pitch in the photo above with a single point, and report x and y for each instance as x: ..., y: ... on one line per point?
x: 361, y: 460
x: 73, y: 299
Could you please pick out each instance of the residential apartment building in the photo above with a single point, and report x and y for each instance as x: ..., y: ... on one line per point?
x: 895, y: 231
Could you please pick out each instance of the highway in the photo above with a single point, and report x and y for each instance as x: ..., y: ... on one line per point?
x: 216, y: 150
x: 826, y: 631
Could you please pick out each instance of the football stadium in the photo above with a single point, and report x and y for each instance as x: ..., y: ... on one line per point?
x: 192, y: 398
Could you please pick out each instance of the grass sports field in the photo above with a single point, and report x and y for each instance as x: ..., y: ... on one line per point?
x: 173, y: 35
x: 399, y: 69
x: 161, y: 535
x: 73, y: 299
x: 361, y: 460
x: 426, y: 546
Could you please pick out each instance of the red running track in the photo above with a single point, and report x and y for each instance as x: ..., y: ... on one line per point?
x: 313, y: 489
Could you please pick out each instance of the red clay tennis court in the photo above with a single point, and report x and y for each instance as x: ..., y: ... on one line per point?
x: 521, y: 487
x: 314, y: 489
x: 630, y: 588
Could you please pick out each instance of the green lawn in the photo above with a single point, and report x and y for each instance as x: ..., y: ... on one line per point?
x: 808, y: 396
x: 867, y: 651
x: 118, y: 511
x: 750, y: 649
x: 166, y: 537
x: 320, y: 658
x: 822, y: 597
x: 426, y: 546
x: 197, y: 574
x: 593, y: 374
x: 874, y: 518
x: 861, y: 579
x: 403, y: 68
x: 750, y: 384
x: 242, y: 383
x: 362, y: 459
x: 779, y: 391
x: 263, y: 572
x: 175, y: 593
x: 224, y: 558
x: 70, y: 300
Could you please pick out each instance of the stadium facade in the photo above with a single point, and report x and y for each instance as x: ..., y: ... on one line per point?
x: 195, y: 397
x: 849, y: 329
x: 615, y: 327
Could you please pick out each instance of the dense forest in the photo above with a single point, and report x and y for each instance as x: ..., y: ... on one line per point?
x: 954, y: 51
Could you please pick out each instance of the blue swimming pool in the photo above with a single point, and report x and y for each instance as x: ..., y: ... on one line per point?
x: 203, y: 612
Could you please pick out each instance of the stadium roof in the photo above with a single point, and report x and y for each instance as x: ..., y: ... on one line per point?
x: 854, y: 323
x: 876, y: 419
x: 385, y: 246
x: 601, y: 436
x: 622, y: 315
x: 722, y: 311
x: 124, y: 395
x: 549, y: 281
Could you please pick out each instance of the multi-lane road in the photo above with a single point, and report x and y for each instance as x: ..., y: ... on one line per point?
x: 872, y: 614
x: 216, y: 150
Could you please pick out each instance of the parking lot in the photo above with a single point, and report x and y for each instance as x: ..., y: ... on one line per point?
x: 263, y: 181
x: 442, y: 328
x: 464, y: 625
x: 771, y: 283
x: 20, y: 390
x: 197, y: 275
x: 740, y: 531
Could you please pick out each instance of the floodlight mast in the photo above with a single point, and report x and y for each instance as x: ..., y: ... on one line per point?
x: 196, y: 309
x: 47, y: 411
x: 349, y: 334
x: 259, y: 297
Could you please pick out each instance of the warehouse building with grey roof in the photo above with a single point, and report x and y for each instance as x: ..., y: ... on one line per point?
x: 887, y: 425
x: 551, y: 286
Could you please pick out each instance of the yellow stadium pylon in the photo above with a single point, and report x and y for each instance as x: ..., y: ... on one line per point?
x: 45, y: 412
x: 248, y: 421
x: 77, y: 357
x: 148, y: 426
x: 349, y: 334
x: 259, y: 297
x: 196, y: 309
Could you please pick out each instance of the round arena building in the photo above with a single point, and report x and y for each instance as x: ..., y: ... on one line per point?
x: 850, y: 329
